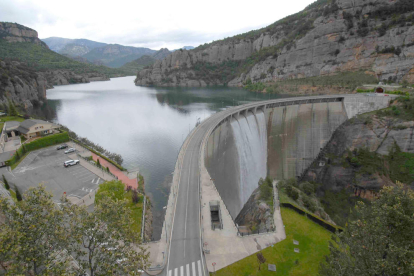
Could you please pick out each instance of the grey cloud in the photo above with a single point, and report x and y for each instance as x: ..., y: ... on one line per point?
x: 24, y: 13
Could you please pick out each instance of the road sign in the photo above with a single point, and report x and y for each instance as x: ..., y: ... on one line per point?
x: 214, y: 264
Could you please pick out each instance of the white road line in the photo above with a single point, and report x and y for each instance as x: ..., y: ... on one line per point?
x: 169, y: 273
x: 199, y: 268
x: 194, y: 271
x: 182, y: 271
x: 187, y: 268
x: 176, y: 272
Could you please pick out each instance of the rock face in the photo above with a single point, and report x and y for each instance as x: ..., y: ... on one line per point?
x: 25, y: 85
x: 255, y: 213
x: 347, y: 35
x: 376, y: 134
x: 13, y: 32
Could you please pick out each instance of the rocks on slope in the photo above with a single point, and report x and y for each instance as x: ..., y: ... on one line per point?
x: 343, y: 36
x: 24, y: 84
x: 372, y: 133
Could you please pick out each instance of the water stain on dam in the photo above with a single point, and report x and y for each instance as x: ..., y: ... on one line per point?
x: 281, y: 142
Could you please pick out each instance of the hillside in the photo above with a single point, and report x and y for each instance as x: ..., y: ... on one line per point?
x: 115, y: 55
x: 145, y: 61
x: 28, y: 67
x: 328, y: 37
x: 62, y: 45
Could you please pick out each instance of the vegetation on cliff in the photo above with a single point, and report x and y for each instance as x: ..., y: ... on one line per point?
x: 40, y: 58
x: 379, y: 240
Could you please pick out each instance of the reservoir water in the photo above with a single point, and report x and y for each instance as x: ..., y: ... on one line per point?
x: 146, y: 125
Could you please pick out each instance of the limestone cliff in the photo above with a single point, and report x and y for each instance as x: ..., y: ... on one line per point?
x: 13, y: 32
x: 366, y: 153
x: 326, y: 38
x: 25, y: 81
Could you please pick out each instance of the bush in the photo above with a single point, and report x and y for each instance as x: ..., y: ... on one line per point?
x: 309, y: 203
x: 294, y: 194
x: 114, y: 189
x: 308, y: 188
x: 18, y: 195
x: 6, y: 183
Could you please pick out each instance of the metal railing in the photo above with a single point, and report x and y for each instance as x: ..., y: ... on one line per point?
x: 99, y: 167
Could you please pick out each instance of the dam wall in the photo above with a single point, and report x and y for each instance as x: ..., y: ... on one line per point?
x: 279, y: 138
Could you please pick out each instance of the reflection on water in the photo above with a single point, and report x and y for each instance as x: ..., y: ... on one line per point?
x: 145, y: 125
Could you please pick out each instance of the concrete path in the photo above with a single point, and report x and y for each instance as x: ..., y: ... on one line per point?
x: 132, y: 182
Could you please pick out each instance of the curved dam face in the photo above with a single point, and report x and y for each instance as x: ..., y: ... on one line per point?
x: 278, y: 139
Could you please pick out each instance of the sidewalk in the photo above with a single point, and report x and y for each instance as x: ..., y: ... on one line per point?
x: 117, y: 172
x: 225, y: 246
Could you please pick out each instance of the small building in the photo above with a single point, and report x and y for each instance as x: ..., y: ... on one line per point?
x: 10, y: 130
x: 35, y: 128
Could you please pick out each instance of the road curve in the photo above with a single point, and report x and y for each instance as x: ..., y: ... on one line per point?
x: 185, y: 256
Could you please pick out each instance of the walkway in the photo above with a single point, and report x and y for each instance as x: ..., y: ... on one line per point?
x: 121, y: 175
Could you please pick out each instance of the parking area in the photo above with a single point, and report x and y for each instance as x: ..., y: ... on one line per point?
x: 46, y: 166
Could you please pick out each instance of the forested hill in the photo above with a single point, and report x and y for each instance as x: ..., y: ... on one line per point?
x: 28, y: 67
x: 328, y: 37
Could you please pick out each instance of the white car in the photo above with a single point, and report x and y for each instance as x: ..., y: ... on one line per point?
x: 70, y: 150
x: 70, y: 163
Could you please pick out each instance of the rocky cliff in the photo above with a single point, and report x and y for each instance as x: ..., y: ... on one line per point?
x: 13, y: 32
x: 26, y: 82
x: 326, y: 38
x: 368, y: 152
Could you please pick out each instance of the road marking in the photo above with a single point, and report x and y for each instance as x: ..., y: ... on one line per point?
x: 194, y: 271
x: 182, y: 271
x: 176, y: 272
x: 169, y: 273
x: 188, y: 269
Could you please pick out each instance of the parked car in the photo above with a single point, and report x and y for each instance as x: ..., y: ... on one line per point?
x: 64, y: 146
x: 70, y: 163
x: 69, y: 150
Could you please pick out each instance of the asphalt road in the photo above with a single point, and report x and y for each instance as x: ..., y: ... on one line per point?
x: 185, y: 257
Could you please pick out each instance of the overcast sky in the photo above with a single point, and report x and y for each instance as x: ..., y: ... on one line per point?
x: 153, y: 24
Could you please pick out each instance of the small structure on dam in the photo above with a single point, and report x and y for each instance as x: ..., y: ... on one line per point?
x: 280, y: 139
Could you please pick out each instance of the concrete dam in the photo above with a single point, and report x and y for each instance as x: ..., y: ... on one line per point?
x: 280, y: 139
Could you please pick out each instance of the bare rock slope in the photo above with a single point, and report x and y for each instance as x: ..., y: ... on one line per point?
x: 326, y: 38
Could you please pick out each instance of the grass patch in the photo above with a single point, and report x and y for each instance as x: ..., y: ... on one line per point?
x: 136, y: 210
x: 14, y: 165
x: 313, y: 244
x: 11, y: 118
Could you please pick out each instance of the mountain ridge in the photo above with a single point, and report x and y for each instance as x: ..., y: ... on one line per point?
x: 328, y: 37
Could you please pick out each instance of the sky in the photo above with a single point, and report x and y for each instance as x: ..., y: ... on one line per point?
x: 153, y: 24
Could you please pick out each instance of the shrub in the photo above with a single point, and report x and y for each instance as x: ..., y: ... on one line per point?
x: 6, y: 183
x: 308, y: 188
x: 309, y: 203
x: 18, y: 195
x: 294, y: 194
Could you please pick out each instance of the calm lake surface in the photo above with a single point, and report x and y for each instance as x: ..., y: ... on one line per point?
x: 145, y: 125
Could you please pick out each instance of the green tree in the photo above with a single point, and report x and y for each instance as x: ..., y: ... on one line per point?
x: 18, y: 195
x: 105, y: 242
x: 37, y: 232
x: 379, y: 241
x: 12, y: 109
x: 98, y: 163
x: 114, y: 189
x: 6, y: 183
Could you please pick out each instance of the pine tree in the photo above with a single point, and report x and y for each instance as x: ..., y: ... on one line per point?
x: 98, y: 163
x: 12, y: 109
x: 18, y: 195
x: 6, y: 184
